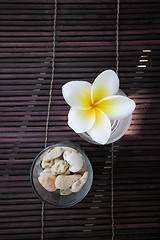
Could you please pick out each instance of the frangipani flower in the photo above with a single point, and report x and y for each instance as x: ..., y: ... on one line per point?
x: 94, y: 105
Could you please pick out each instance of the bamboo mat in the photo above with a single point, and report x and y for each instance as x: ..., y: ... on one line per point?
x: 85, y: 46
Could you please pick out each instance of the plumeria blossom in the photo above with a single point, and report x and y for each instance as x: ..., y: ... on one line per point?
x: 94, y: 105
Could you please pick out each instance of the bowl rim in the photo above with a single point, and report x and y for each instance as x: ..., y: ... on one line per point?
x: 67, y: 144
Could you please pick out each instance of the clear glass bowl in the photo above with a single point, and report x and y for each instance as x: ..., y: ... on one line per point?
x: 54, y: 198
x: 118, y: 127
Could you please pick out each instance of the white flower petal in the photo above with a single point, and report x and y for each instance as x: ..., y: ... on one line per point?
x: 116, y: 107
x: 81, y: 120
x: 77, y: 94
x: 106, y: 84
x: 101, y: 130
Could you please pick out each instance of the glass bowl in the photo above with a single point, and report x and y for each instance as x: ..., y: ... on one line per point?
x: 118, y: 127
x: 54, y: 198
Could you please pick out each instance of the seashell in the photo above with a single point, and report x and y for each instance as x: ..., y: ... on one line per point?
x: 66, y: 181
x: 43, y: 154
x: 64, y: 148
x: 47, y: 169
x: 75, y: 168
x: 75, y: 160
x: 53, y: 154
x: 79, y: 184
x: 47, y: 164
x: 65, y: 154
x: 66, y: 172
x: 59, y: 167
x: 47, y: 180
x: 84, y: 167
x: 65, y: 192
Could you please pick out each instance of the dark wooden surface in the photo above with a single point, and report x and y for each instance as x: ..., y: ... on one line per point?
x: 85, y: 46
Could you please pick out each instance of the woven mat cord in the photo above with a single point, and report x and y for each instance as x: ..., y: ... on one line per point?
x: 49, y: 103
x: 112, y: 145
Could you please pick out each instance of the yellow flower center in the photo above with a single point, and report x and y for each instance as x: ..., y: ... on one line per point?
x: 92, y: 105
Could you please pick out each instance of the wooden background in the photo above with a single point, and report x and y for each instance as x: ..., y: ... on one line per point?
x: 85, y: 46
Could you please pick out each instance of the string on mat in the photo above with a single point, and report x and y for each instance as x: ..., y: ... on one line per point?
x: 49, y: 103
x: 112, y: 145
